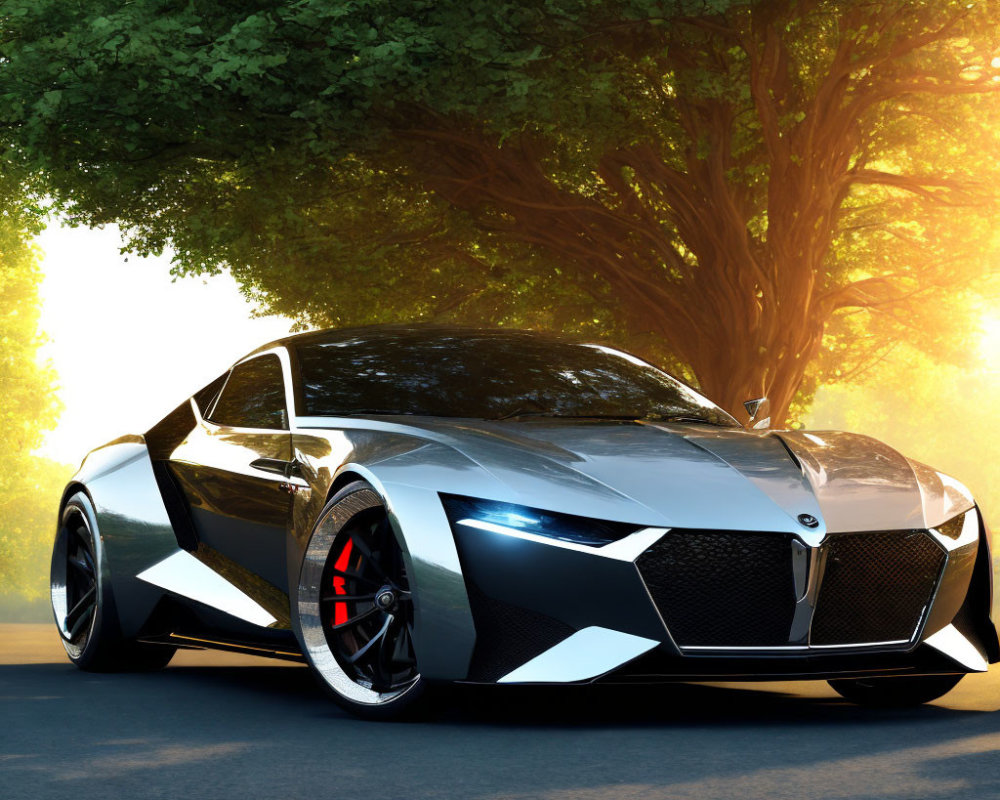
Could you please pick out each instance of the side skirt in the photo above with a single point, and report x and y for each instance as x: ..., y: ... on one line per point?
x: 185, y: 642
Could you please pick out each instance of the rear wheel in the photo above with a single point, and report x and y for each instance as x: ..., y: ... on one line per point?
x: 898, y: 692
x: 82, y: 602
x: 355, y: 607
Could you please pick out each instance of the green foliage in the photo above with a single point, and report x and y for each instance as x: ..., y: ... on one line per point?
x: 29, y: 501
x: 29, y: 487
x: 763, y: 195
x: 264, y: 137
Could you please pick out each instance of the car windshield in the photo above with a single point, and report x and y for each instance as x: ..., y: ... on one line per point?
x: 487, y: 375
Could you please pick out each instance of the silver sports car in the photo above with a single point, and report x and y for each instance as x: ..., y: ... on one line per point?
x: 402, y: 507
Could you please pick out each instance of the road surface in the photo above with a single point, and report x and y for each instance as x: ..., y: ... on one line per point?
x: 231, y: 727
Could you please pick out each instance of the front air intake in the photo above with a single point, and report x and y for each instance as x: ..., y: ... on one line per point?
x: 876, y: 587
x: 722, y: 588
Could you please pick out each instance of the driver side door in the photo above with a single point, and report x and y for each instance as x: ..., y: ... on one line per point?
x: 234, y: 471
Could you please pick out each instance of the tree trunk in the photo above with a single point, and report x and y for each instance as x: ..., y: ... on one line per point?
x: 730, y: 272
x: 720, y: 313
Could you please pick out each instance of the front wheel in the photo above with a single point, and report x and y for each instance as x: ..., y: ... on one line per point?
x: 355, y: 608
x: 898, y: 692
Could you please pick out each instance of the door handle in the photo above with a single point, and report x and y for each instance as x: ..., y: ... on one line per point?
x: 275, y: 465
x: 287, y: 469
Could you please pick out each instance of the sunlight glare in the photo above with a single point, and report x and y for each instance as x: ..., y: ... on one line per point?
x: 127, y: 341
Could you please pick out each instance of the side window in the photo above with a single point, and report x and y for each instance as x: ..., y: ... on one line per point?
x: 254, y: 396
x: 204, y: 398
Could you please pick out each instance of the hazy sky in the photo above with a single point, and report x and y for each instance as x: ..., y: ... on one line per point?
x: 127, y: 341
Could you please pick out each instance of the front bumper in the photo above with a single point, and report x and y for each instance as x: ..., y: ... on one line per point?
x: 551, y: 613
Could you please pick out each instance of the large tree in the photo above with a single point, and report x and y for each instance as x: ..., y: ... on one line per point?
x: 760, y: 193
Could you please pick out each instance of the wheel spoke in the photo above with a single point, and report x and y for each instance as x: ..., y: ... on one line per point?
x: 356, y: 619
x: 355, y: 576
x: 82, y: 566
x: 75, y: 629
x: 383, y: 660
x: 346, y: 598
x: 80, y: 612
x: 82, y: 537
x: 369, y: 559
x: 378, y: 637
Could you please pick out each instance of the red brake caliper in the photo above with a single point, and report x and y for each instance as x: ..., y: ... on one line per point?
x: 340, y: 609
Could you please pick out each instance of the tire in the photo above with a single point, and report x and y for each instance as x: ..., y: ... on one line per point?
x: 901, y: 692
x: 83, y: 603
x: 361, y: 650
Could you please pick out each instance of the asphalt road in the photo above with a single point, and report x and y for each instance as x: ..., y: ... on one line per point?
x: 225, y: 726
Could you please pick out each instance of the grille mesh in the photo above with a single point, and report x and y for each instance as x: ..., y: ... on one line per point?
x: 875, y: 586
x: 507, y: 636
x: 722, y: 588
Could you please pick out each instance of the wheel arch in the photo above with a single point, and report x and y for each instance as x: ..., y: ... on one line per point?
x: 352, y: 472
x: 347, y: 476
x: 73, y: 487
x: 130, y: 522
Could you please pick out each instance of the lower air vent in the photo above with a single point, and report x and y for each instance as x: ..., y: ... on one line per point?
x: 508, y: 636
x: 722, y: 588
x: 876, y: 587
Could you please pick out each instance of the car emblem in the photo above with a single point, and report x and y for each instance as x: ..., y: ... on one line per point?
x: 809, y: 520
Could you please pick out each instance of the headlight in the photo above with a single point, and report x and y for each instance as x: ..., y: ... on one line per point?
x: 532, y: 523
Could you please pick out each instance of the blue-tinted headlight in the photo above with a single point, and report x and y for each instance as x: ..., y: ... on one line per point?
x: 514, y: 520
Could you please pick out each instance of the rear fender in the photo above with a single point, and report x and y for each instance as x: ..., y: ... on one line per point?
x: 132, y: 523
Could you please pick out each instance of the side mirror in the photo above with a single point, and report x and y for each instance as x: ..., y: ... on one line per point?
x: 760, y: 413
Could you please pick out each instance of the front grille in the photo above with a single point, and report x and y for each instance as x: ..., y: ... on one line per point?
x: 508, y: 636
x: 876, y: 587
x: 722, y: 588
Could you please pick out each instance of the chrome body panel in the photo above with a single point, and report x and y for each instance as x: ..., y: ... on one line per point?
x: 954, y: 644
x: 132, y: 523
x: 183, y: 574
x: 252, y: 525
x: 862, y: 484
x: 587, y: 654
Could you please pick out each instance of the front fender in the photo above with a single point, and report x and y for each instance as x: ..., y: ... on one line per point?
x: 444, y: 634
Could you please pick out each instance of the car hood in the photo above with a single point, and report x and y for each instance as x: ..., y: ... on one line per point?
x: 700, y: 476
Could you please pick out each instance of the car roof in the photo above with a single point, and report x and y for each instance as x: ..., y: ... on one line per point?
x: 429, y: 331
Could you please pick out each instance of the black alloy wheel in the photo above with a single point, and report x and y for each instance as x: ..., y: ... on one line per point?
x: 366, y: 605
x: 82, y: 600
x: 79, y: 611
